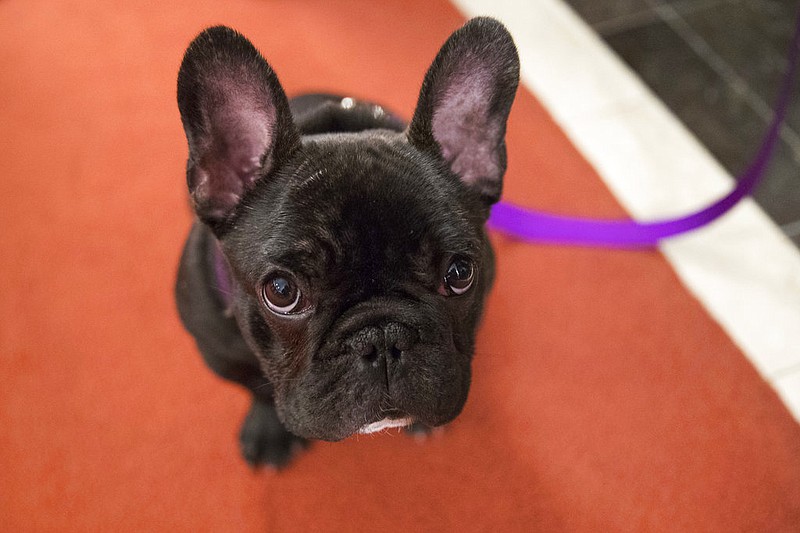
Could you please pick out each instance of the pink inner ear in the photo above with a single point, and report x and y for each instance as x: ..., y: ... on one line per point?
x: 242, y: 127
x: 462, y: 125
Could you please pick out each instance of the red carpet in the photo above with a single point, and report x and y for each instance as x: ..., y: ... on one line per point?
x: 604, y: 399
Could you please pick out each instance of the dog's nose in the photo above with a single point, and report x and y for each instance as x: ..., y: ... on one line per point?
x: 380, y: 347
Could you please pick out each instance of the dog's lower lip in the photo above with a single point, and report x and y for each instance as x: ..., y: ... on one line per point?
x: 385, y: 423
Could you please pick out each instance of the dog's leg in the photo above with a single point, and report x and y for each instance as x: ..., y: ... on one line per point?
x: 264, y: 439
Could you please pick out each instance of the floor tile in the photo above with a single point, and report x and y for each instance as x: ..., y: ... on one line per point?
x: 717, y: 113
x: 751, y: 37
x: 691, y: 89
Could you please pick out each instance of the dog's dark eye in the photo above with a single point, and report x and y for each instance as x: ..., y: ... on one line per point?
x: 460, y: 275
x: 281, y: 294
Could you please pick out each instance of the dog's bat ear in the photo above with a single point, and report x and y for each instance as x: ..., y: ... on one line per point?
x: 464, y: 104
x: 236, y: 118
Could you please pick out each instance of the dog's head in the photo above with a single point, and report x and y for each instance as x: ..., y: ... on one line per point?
x: 360, y: 260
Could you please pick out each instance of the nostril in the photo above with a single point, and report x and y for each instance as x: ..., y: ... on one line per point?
x: 395, y: 352
x: 371, y: 354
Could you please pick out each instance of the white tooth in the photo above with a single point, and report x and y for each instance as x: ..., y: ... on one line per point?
x: 386, y: 423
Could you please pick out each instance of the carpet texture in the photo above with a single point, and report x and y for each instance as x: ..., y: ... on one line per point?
x: 604, y: 397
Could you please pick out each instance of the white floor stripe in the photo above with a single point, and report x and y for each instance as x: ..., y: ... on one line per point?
x: 743, y: 269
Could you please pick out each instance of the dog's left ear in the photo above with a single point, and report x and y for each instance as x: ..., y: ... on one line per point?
x: 464, y: 104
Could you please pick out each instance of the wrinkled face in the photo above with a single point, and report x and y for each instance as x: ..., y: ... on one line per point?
x: 360, y: 260
x: 363, y: 272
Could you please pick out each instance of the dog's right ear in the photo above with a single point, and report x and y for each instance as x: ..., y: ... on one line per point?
x: 236, y: 118
x: 464, y: 105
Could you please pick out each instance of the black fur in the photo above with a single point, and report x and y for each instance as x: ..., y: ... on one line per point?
x: 365, y: 215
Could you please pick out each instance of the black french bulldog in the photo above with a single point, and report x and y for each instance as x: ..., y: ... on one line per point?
x: 339, y: 264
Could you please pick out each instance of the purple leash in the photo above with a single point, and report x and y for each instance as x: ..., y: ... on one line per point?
x: 536, y: 226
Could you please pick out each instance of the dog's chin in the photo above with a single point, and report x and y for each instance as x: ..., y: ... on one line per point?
x: 320, y: 408
x: 334, y: 434
x: 343, y: 430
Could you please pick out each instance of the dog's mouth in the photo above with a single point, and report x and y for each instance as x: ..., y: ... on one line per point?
x: 386, y: 423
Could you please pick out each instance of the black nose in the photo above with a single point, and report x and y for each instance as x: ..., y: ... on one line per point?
x: 380, y: 348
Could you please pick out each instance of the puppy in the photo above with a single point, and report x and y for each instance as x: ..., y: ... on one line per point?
x: 339, y: 262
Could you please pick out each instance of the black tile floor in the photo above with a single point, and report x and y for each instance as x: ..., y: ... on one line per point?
x: 717, y: 64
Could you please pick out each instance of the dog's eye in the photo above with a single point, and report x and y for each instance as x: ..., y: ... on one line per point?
x: 281, y: 294
x: 460, y: 275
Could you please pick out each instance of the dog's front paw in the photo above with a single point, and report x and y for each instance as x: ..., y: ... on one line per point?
x: 264, y: 440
